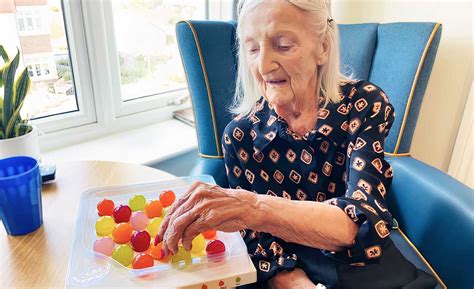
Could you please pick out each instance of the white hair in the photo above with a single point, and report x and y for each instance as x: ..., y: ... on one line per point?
x: 318, y: 13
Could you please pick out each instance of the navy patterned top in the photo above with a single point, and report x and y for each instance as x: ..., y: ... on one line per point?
x: 340, y: 162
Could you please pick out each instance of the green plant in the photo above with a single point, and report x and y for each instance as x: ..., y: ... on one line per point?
x: 15, y: 90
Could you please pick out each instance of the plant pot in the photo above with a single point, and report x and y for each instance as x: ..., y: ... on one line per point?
x: 25, y: 145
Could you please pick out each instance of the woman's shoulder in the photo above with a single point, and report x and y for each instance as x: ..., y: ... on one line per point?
x: 246, y: 123
x: 238, y: 133
x: 238, y: 123
x: 363, y: 92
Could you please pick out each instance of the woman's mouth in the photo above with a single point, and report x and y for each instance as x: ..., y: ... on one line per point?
x: 277, y: 82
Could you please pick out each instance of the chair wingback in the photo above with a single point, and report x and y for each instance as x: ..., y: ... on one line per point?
x: 357, y: 46
x: 398, y: 57
x: 207, y: 51
x: 401, y: 66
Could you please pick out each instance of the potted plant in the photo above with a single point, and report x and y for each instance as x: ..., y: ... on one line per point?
x: 17, y: 136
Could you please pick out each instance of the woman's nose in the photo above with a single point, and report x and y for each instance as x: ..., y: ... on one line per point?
x: 267, y: 61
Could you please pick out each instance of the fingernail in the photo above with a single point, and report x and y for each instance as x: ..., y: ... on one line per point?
x: 157, y: 240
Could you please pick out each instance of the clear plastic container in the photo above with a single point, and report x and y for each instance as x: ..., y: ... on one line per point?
x: 90, y: 269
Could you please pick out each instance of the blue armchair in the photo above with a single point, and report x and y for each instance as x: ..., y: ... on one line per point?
x: 433, y: 210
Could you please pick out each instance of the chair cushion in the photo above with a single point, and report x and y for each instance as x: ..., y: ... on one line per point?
x: 435, y: 211
x: 211, y: 166
x: 413, y: 255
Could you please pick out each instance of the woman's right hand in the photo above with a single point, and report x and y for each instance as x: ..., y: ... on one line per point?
x: 205, y: 207
x: 296, y: 279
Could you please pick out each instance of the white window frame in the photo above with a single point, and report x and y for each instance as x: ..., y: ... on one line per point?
x: 104, y: 67
x: 89, y: 25
x: 81, y: 75
x: 142, y: 103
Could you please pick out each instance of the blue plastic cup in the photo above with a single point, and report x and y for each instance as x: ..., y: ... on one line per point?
x: 20, y: 195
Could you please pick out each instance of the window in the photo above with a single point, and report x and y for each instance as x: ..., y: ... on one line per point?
x: 44, y: 50
x: 46, y: 68
x: 32, y: 14
x: 38, y: 70
x: 101, y: 66
x: 149, y: 60
x: 21, y: 24
x: 29, y: 23
x: 30, y: 71
x: 38, y: 23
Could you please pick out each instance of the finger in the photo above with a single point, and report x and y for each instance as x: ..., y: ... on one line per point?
x: 176, y: 229
x: 198, y: 226
x: 190, y: 203
x: 215, y: 214
x: 197, y: 207
x: 175, y: 206
x: 165, y: 248
x: 204, y: 195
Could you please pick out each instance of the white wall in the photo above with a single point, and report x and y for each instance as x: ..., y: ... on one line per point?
x: 9, y: 36
x: 462, y: 163
x: 451, y: 77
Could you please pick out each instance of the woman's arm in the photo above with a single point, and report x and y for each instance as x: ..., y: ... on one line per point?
x: 332, y: 230
x: 207, y: 207
x: 308, y: 223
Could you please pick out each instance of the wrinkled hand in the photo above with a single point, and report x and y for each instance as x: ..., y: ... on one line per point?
x: 205, y: 207
x: 295, y: 279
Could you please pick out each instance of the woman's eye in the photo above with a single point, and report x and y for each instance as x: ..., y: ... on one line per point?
x: 253, y: 50
x: 284, y: 47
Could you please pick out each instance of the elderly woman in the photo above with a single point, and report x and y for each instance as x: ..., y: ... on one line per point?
x: 304, y: 159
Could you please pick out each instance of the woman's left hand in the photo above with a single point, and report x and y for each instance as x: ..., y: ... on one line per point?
x: 205, y: 207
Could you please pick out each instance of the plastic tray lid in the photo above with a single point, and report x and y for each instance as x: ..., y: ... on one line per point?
x: 90, y: 269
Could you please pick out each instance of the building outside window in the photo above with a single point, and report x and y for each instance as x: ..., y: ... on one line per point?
x: 38, y: 69
x: 98, y: 63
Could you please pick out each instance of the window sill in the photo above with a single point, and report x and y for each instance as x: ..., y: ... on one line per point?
x: 147, y: 146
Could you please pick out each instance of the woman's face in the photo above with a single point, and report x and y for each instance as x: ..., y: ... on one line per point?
x: 283, y: 54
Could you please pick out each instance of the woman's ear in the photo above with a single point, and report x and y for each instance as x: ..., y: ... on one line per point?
x: 324, y: 52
